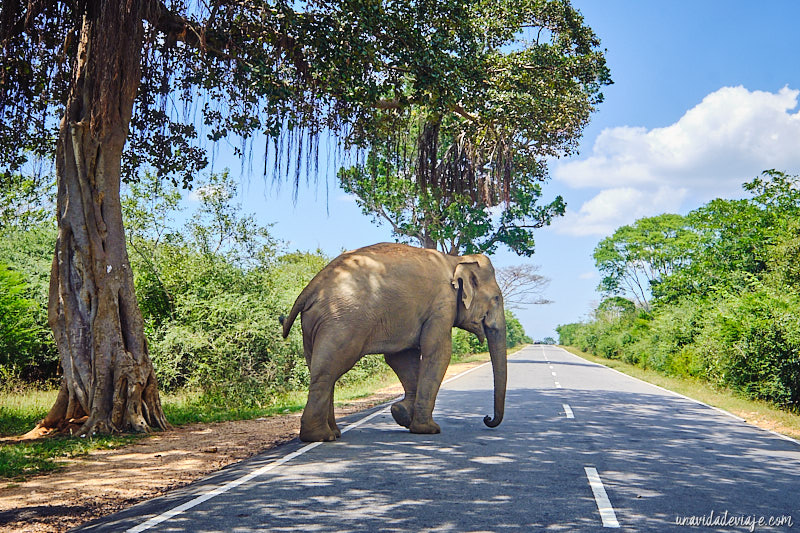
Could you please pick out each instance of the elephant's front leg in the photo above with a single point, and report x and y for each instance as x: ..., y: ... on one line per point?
x: 406, y: 365
x: 436, y: 348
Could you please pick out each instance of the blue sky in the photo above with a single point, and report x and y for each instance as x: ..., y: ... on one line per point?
x: 705, y: 97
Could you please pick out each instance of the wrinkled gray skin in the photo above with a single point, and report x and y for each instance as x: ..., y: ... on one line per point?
x: 400, y: 301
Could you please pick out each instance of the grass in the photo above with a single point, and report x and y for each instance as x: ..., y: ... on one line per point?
x: 758, y: 413
x: 189, y: 407
x: 20, y: 411
x: 20, y: 460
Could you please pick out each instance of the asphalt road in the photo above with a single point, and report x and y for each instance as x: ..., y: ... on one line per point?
x: 582, y: 447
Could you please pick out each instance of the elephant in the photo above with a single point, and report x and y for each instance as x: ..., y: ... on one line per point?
x: 402, y: 302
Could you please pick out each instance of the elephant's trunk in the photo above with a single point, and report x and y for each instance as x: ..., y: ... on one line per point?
x: 497, y: 351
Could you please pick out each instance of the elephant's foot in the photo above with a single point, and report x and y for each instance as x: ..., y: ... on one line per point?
x: 318, y: 434
x: 332, y: 425
x: 402, y: 414
x: 429, y: 427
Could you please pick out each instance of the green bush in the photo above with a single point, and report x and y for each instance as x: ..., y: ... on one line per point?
x: 225, y: 337
x: 466, y: 343
x: 751, y: 343
x: 27, y: 350
x: 18, y: 339
x: 515, y: 333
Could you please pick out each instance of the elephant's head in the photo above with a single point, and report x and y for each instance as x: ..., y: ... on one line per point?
x: 480, y: 311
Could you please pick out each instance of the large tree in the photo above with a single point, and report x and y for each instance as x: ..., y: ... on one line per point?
x: 108, y: 89
x: 439, y: 168
x: 637, y: 258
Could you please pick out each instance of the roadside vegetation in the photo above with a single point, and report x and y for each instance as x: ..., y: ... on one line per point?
x: 712, y: 296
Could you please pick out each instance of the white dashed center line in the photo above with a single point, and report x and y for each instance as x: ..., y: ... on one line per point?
x: 568, y: 411
x: 607, y: 514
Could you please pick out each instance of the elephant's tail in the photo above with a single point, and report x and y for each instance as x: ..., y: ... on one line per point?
x: 299, y: 305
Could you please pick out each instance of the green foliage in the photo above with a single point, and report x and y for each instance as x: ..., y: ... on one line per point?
x: 455, y: 224
x: 751, y: 343
x: 26, y: 202
x: 639, y: 256
x: 514, y: 81
x: 211, y: 294
x: 465, y: 343
x: 17, y: 329
x: 515, y: 333
x: 27, y: 350
x: 727, y: 310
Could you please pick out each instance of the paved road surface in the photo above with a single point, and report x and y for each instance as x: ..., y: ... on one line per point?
x: 582, y: 447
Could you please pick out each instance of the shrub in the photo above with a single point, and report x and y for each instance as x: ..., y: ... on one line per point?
x: 28, y: 352
x: 18, y: 337
x: 751, y: 343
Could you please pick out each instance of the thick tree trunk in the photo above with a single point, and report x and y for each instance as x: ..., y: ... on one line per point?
x: 108, y: 383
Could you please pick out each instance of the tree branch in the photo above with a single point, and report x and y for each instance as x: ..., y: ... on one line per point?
x: 178, y: 28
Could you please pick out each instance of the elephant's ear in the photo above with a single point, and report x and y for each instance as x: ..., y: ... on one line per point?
x: 465, y: 272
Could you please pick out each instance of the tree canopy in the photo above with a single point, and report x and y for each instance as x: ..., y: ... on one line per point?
x: 495, y: 85
x: 638, y: 257
x: 454, y: 224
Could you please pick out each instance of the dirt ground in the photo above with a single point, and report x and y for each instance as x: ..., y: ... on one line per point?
x: 107, y: 481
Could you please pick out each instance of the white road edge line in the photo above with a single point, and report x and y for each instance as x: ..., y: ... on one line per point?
x: 568, y: 411
x: 163, y: 517
x: 719, y: 410
x: 222, y: 489
x: 607, y: 514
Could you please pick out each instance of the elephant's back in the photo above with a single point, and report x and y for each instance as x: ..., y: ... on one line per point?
x: 385, y: 266
x: 387, y: 276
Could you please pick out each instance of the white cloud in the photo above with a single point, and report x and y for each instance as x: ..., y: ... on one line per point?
x: 588, y: 275
x: 611, y: 208
x: 727, y: 139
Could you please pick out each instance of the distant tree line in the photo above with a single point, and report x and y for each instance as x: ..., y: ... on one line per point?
x: 714, y: 294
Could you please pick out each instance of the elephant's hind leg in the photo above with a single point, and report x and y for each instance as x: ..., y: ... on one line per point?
x: 314, y: 424
x: 332, y: 420
x: 406, y: 365
x: 331, y: 357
